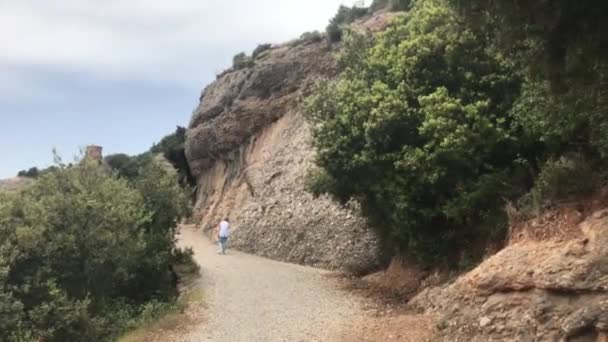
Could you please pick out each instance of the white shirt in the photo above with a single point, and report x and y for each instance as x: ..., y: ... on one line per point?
x: 224, y: 229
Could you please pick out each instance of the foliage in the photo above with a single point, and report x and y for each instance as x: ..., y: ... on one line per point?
x: 400, y: 5
x: 170, y: 142
x: 345, y: 16
x: 33, y: 172
x: 573, y: 121
x: 378, y: 5
x: 160, y: 317
x: 259, y: 49
x: 81, y: 250
x: 241, y: 61
x: 561, y: 45
x: 125, y: 165
x: 173, y: 149
x: 311, y: 37
x: 393, y: 5
x: 418, y: 129
x: 164, y: 197
x: 566, y: 178
x: 307, y: 38
x: 568, y: 36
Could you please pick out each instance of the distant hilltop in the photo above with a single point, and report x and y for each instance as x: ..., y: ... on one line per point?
x: 14, y: 183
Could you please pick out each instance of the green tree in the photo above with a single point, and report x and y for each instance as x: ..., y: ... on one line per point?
x: 561, y: 44
x: 400, y: 5
x: 81, y: 249
x: 259, y: 50
x: 345, y: 16
x: 33, y: 172
x: 126, y: 166
x: 173, y: 149
x: 418, y: 129
x: 567, y: 38
x: 241, y: 61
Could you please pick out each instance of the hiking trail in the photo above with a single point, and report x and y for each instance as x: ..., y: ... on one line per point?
x: 255, y: 299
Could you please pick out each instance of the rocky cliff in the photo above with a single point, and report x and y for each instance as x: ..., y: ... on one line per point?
x: 249, y: 148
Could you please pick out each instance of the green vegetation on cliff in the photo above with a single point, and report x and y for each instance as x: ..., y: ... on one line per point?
x: 345, y: 16
x: 171, y: 147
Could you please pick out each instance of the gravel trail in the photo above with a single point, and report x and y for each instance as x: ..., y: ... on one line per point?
x: 254, y: 299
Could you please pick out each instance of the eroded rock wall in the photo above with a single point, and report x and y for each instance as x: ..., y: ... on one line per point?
x: 249, y: 148
x: 552, y: 290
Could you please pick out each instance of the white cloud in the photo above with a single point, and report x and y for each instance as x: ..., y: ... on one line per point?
x: 180, y: 41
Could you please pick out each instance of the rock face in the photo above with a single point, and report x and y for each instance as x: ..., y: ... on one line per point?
x: 249, y: 148
x: 531, y: 291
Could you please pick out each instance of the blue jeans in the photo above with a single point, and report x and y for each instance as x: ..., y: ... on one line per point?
x: 222, y: 242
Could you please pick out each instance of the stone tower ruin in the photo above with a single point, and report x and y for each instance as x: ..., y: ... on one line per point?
x: 94, y: 152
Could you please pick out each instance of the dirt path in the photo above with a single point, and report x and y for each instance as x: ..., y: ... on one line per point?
x: 255, y: 299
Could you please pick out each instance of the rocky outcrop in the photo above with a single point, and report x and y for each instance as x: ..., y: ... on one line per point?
x: 249, y: 148
x: 531, y: 291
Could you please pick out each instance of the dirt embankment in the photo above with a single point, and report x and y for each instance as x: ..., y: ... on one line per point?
x: 550, y: 283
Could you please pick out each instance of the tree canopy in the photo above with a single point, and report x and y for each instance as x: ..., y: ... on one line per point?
x: 434, y: 124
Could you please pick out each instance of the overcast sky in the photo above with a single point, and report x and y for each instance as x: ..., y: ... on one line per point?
x: 122, y: 73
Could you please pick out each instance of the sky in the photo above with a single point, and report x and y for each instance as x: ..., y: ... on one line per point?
x: 122, y: 73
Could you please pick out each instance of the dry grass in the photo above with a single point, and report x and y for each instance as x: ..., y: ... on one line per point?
x: 557, y: 223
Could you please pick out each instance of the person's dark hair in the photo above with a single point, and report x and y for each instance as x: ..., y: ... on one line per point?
x: 227, y: 219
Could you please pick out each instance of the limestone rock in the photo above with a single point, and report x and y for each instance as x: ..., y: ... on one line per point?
x: 249, y: 148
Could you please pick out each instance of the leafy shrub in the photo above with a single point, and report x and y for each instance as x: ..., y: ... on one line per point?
x: 307, y: 38
x: 31, y: 173
x: 318, y: 181
x: 573, y: 121
x: 563, y: 179
x: 150, y: 311
x: 418, y: 129
x: 185, y: 266
x: 563, y: 54
x: 393, y: 5
x: 259, y: 49
x: 125, y: 166
x: 173, y: 149
x: 35, y: 172
x: 378, y: 4
x: 312, y: 37
x: 81, y: 249
x: 433, y: 125
x: 223, y: 73
x: 241, y: 61
x: 565, y: 45
x: 400, y: 5
x: 345, y: 16
x: 566, y: 178
x: 164, y: 197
